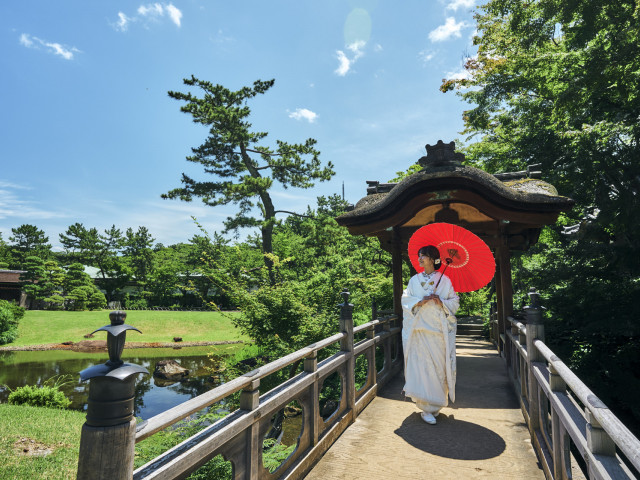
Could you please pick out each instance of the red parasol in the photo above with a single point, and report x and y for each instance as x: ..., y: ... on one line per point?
x: 467, y: 260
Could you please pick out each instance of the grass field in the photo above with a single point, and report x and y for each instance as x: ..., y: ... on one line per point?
x: 42, y: 326
x: 38, y: 442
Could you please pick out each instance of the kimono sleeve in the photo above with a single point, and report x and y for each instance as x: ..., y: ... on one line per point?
x: 448, y: 296
x: 411, y: 296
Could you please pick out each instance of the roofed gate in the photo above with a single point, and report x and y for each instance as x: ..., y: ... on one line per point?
x: 507, y: 211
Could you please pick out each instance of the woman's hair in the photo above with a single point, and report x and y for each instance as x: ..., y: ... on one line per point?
x: 431, y: 252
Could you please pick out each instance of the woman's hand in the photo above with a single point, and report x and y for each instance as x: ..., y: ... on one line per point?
x: 430, y: 298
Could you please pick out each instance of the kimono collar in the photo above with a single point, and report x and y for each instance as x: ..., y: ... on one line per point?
x: 428, y: 276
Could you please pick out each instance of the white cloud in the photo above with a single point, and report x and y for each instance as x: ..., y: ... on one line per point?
x: 304, y: 114
x: 458, y: 75
x: 377, y: 48
x: 456, y: 4
x: 151, y: 10
x: 356, y: 47
x: 149, y: 13
x: 25, y: 40
x: 174, y: 14
x: 60, y: 50
x: 426, y: 55
x: 451, y: 28
x: 345, y: 62
x: 123, y: 22
x: 14, y: 205
x: 55, y: 48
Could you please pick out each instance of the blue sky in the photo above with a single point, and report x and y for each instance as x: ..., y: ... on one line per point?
x: 90, y: 135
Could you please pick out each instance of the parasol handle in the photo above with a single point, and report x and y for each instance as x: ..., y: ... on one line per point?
x: 448, y: 261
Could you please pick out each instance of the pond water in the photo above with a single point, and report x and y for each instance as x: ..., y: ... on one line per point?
x: 152, y: 396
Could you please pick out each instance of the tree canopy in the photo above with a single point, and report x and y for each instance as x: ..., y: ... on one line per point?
x: 244, y: 167
x: 556, y: 84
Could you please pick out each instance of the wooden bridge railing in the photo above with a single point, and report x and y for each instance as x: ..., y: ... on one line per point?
x: 559, y: 409
x: 238, y: 437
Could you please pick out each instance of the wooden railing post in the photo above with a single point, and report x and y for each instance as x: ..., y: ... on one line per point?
x: 561, y: 447
x: 107, y: 440
x: 346, y: 345
x: 250, y: 400
x: 493, y: 326
x: 535, y: 331
x: 522, y: 365
x: 311, y: 366
x: 598, y: 441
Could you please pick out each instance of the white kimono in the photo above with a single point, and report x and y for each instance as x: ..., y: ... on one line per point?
x: 429, y: 342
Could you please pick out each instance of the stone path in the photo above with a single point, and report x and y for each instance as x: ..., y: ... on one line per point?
x: 482, y: 435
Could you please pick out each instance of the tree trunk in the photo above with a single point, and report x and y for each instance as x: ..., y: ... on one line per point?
x: 269, y: 213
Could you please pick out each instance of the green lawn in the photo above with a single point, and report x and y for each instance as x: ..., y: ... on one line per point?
x: 39, y: 430
x: 42, y: 326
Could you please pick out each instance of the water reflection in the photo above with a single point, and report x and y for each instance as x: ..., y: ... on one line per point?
x: 34, y: 368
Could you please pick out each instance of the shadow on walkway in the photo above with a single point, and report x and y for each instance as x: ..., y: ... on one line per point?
x: 451, y: 438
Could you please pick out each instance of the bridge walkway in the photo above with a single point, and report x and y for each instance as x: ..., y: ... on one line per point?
x: 482, y: 435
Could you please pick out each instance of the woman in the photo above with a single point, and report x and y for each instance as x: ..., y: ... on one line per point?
x: 429, y: 336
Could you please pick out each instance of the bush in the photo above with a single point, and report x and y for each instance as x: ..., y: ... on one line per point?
x: 48, y: 395
x: 9, y: 316
x: 136, y: 304
x: 97, y: 301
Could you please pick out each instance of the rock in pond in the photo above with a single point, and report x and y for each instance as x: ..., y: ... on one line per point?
x: 170, y: 370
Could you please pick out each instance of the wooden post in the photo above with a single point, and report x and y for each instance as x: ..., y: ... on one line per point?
x: 499, y: 313
x: 506, y: 297
x: 535, y: 331
x: 598, y: 441
x: 522, y: 339
x: 250, y: 400
x: 561, y: 448
x: 107, y: 452
x: 346, y: 345
x: 311, y: 366
x: 493, y: 327
x: 396, y: 267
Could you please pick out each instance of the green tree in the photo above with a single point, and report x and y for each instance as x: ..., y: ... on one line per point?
x: 90, y: 247
x: 43, y: 283
x: 139, y: 255
x: 314, y: 260
x: 8, y: 322
x: 5, y: 254
x: 556, y: 83
x: 28, y: 240
x: 244, y: 168
x: 80, y: 291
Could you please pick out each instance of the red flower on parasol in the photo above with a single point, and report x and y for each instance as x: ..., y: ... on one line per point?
x: 466, y: 259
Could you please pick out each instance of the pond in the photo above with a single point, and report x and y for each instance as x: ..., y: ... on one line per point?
x: 152, y: 396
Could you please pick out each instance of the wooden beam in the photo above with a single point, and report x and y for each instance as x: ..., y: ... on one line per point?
x: 396, y: 266
x: 506, y: 288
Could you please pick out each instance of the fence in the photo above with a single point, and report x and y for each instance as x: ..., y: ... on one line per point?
x: 239, y: 436
x: 561, y: 411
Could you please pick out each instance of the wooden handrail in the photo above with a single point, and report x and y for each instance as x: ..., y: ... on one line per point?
x: 628, y: 444
x: 539, y: 376
x: 189, y: 407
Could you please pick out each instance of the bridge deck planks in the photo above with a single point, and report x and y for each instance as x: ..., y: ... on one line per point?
x: 481, y: 435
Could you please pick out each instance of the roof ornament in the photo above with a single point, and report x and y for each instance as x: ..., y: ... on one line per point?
x: 441, y: 155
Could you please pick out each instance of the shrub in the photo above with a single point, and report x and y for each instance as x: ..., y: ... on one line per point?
x: 9, y: 316
x: 97, y: 301
x: 136, y: 304
x: 48, y: 395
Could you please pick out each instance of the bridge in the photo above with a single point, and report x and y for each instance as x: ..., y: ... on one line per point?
x: 520, y: 412
x: 531, y: 418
